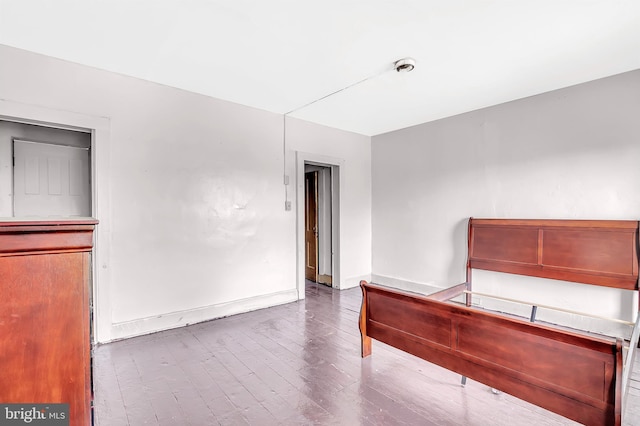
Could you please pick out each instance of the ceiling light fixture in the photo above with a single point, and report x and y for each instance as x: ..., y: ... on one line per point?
x: 405, y: 65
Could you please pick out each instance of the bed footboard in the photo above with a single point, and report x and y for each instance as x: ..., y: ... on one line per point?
x: 576, y: 376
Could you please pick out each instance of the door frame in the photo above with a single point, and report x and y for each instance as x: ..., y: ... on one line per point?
x: 324, y: 223
x: 337, y: 183
x: 100, y: 129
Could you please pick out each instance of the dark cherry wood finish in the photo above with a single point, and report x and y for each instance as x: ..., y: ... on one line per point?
x: 600, y: 252
x: 570, y: 374
x: 45, y: 270
x: 575, y: 375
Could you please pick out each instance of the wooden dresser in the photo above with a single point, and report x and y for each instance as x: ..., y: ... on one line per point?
x: 45, y: 278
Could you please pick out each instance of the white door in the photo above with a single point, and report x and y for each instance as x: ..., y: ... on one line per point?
x: 50, y: 180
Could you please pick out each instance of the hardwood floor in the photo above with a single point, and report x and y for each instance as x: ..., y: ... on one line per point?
x: 293, y: 364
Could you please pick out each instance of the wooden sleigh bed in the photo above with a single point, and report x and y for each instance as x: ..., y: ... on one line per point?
x: 577, y: 375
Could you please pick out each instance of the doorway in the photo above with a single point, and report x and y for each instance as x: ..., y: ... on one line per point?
x: 95, y: 131
x: 44, y: 171
x: 47, y: 172
x: 328, y: 184
x: 318, y: 220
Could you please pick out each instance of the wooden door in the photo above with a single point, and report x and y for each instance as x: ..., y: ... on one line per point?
x: 311, y: 226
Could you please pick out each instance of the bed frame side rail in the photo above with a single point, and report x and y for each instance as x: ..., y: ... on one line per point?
x: 577, y: 376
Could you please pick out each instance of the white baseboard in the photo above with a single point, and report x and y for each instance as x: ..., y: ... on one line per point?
x: 355, y: 281
x: 138, y: 327
x: 413, y: 286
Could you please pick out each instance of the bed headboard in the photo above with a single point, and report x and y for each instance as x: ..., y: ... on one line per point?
x: 600, y: 252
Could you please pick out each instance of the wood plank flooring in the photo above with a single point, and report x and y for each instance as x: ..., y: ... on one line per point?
x: 294, y: 364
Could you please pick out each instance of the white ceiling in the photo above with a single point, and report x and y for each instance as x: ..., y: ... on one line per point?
x: 279, y: 55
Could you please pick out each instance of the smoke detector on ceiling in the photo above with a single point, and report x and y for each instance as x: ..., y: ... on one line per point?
x: 405, y: 65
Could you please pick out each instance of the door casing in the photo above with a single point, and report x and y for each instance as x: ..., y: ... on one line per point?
x: 337, y: 169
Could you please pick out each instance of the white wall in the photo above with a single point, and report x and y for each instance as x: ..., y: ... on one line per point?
x: 353, y: 152
x: 195, y: 206
x: 571, y: 153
